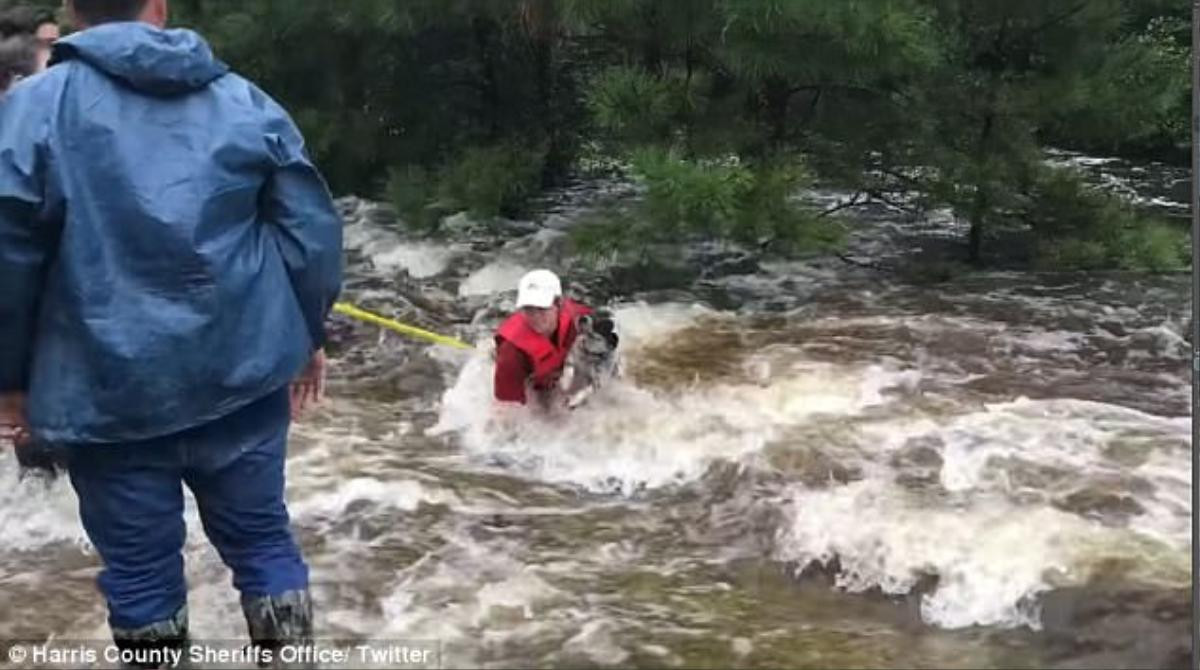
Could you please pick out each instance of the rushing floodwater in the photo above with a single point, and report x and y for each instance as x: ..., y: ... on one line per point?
x: 809, y: 465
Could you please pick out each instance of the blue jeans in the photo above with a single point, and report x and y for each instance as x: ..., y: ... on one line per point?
x: 131, y: 505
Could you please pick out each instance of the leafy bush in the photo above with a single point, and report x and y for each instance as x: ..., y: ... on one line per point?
x: 699, y: 197
x: 492, y: 181
x: 409, y: 189
x: 635, y: 105
x: 1079, y: 228
x: 607, y: 237
x: 1155, y: 247
x: 730, y: 200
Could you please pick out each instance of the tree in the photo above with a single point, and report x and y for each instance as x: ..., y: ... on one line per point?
x: 1012, y: 69
x: 476, y: 104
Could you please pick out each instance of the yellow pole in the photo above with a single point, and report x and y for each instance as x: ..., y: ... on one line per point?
x: 405, y: 329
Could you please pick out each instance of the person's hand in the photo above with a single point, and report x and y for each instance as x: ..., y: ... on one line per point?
x: 309, y: 387
x: 14, y: 425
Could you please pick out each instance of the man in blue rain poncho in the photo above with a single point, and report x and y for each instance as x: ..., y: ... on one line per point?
x: 168, y: 256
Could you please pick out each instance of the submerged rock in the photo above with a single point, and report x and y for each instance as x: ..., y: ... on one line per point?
x: 918, y: 463
x: 1119, y: 626
x: 1097, y: 503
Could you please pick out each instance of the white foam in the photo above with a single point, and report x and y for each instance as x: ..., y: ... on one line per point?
x: 595, y: 641
x: 643, y: 324
x: 627, y: 438
x: 991, y: 558
x: 1068, y: 434
x: 1160, y: 201
x: 35, y: 515
x: 1168, y: 514
x: 1165, y: 338
x: 539, y: 245
x: 368, y: 238
x: 389, y: 252
x: 1074, y: 437
x: 405, y: 495
x: 519, y: 592
x: 460, y: 594
x: 496, y: 277
x: 741, y: 646
x: 420, y: 260
x: 992, y: 545
x: 1045, y: 341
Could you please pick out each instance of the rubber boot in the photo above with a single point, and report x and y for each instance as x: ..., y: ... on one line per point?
x: 162, y: 644
x: 276, y: 621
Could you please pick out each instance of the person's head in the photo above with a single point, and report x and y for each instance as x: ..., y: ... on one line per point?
x: 46, y: 34
x: 38, y: 23
x: 18, y: 59
x: 25, y: 20
x: 539, y: 294
x: 88, y: 13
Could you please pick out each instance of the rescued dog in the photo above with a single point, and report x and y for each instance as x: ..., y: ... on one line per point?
x: 592, y: 361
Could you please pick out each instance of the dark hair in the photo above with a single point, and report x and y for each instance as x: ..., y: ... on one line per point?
x: 24, y: 20
x: 18, y: 58
x: 95, y: 12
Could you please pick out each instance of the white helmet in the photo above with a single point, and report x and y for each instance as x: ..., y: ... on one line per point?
x: 539, y: 288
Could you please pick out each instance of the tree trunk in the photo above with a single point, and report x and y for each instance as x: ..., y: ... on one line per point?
x: 652, y: 48
x: 982, y: 200
x: 491, y: 91
x: 777, y: 94
x: 975, y: 242
x: 542, y: 32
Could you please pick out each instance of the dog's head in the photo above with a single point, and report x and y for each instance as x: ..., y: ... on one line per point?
x: 593, y: 357
x: 597, y: 338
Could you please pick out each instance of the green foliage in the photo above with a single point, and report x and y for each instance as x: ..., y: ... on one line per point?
x: 685, y: 196
x: 378, y: 83
x: 1010, y: 71
x: 1138, y: 98
x: 1083, y: 229
x: 493, y: 181
x: 486, y: 182
x: 477, y: 104
x: 1071, y: 254
x: 1157, y: 247
x: 633, y: 105
x: 770, y: 214
x: 608, y: 236
x: 409, y: 189
x: 1154, y: 247
x: 727, y: 199
x: 809, y: 42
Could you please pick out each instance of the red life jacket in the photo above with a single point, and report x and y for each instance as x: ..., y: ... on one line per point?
x: 547, y: 356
